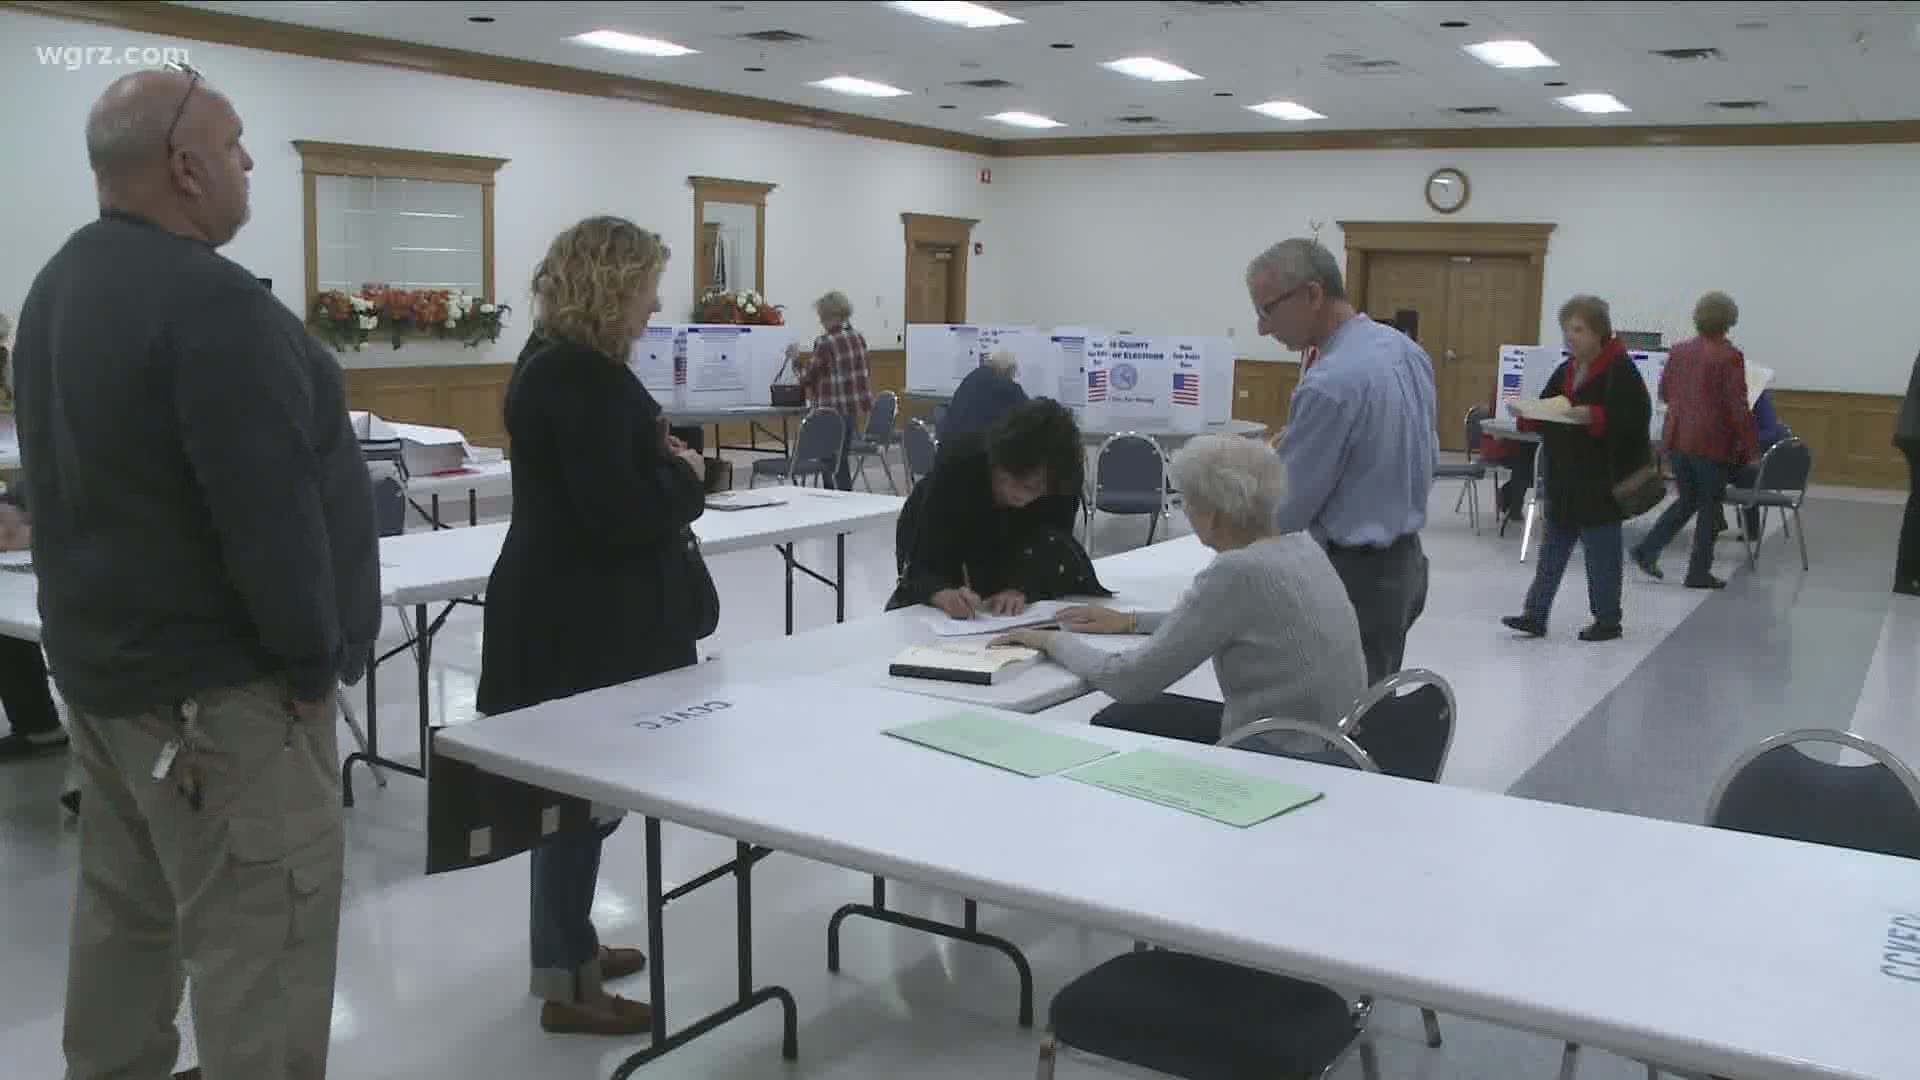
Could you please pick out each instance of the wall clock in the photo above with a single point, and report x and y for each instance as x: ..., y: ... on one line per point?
x: 1447, y: 190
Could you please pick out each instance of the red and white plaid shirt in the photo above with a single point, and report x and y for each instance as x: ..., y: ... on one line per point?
x: 836, y: 377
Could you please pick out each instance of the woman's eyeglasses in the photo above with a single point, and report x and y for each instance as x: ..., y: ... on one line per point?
x: 193, y: 80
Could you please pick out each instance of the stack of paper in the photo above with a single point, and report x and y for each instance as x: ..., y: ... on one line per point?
x: 1007, y: 744
x: 1553, y: 410
x: 1224, y: 795
x: 979, y: 664
x: 1040, y: 613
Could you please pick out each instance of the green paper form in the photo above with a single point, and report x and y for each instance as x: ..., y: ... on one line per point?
x: 1235, y: 798
x: 1029, y: 751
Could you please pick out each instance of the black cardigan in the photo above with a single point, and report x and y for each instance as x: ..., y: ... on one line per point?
x: 951, y: 533
x: 590, y: 588
x: 1583, y: 466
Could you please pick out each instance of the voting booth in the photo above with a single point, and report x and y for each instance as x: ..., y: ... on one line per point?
x: 940, y: 355
x: 711, y: 366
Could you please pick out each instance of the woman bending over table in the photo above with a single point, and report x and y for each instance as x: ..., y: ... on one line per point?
x: 991, y: 528
x: 1269, y: 611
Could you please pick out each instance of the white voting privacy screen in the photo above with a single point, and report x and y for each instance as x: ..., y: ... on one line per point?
x: 940, y: 355
x: 702, y: 366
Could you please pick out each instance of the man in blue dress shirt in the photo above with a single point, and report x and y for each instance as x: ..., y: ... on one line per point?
x: 1359, y: 446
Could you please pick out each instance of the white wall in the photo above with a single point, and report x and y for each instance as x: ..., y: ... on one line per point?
x: 833, y: 222
x: 1817, y: 245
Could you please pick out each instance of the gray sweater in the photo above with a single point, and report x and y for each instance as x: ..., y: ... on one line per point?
x: 1276, y: 622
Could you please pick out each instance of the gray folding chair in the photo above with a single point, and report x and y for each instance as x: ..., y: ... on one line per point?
x: 1129, y: 477
x: 1402, y: 726
x: 1781, y: 485
x: 1778, y: 789
x: 922, y: 450
x: 1473, y: 471
x: 815, y: 451
x: 877, y: 439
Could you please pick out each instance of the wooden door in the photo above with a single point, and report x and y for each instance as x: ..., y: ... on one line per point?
x: 930, y: 285
x: 1417, y: 283
x: 1488, y: 305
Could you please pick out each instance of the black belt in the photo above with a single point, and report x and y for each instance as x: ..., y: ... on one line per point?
x: 1403, y: 540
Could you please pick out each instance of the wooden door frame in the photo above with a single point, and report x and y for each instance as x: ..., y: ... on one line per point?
x: 943, y: 231
x: 1369, y: 238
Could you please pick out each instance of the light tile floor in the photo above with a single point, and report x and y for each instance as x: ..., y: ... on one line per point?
x: 433, y: 970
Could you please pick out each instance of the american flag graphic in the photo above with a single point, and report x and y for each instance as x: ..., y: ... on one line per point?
x: 1510, y: 381
x: 1097, y: 384
x: 1186, y: 388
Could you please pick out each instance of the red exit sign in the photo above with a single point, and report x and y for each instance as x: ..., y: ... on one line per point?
x: 986, y: 176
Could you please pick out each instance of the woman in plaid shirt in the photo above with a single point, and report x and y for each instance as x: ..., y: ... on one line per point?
x: 1709, y: 430
x: 836, y: 377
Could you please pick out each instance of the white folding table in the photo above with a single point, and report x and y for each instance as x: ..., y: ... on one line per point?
x: 490, y: 480
x: 450, y: 567
x: 1722, y: 952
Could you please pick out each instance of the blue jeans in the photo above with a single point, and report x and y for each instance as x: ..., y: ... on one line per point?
x: 1605, y: 551
x: 566, y: 949
x: 843, y: 476
x: 1700, y: 482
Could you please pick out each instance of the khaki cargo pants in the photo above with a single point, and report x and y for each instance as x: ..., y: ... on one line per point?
x: 227, y: 869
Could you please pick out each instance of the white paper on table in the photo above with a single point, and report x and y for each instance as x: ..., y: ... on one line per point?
x: 1037, y: 614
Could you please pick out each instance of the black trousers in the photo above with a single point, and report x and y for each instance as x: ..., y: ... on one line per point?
x: 23, y: 688
x: 1906, y: 567
x: 1170, y: 716
x: 1388, y: 587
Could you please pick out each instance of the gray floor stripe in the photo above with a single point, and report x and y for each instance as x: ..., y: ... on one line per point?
x: 1775, y: 651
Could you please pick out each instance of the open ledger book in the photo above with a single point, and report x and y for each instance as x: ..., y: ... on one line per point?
x: 963, y: 662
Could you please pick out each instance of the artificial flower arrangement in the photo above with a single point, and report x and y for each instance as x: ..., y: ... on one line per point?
x: 743, y: 308
x: 347, y: 321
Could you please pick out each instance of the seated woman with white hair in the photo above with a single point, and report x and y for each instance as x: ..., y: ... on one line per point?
x: 1269, y: 611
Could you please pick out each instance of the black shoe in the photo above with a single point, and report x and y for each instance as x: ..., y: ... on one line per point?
x: 1648, y: 564
x: 1601, y: 631
x: 1708, y: 582
x: 15, y: 746
x: 71, y: 800
x: 1908, y: 588
x: 190, y: 1074
x: 1530, y: 625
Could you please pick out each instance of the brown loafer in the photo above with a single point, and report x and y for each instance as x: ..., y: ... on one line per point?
x: 620, y: 963
x: 617, y: 1016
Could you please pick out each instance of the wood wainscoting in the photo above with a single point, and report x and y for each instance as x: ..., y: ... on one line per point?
x: 1262, y: 390
x: 470, y: 398
x: 1851, y: 436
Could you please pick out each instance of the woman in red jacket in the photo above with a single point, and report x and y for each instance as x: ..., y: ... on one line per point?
x: 1709, y: 431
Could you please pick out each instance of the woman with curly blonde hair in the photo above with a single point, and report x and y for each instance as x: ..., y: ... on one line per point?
x: 591, y: 588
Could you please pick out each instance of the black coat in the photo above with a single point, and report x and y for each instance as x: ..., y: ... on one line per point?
x: 952, y: 534
x: 1582, y: 467
x: 590, y: 589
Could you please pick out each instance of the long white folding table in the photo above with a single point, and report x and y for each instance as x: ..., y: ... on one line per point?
x: 450, y: 567
x: 1738, y: 955
x: 731, y: 414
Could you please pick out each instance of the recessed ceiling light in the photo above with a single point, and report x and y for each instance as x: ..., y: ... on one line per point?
x: 1150, y: 69
x: 631, y: 43
x: 1286, y: 110
x: 1026, y: 120
x: 955, y: 13
x: 480, y: 19
x: 1511, y: 54
x: 1593, y: 103
x: 847, y: 84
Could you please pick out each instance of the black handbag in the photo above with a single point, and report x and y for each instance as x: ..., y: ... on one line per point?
x: 701, y: 594
x: 1645, y: 487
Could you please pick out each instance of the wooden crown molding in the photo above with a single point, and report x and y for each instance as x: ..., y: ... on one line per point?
x: 221, y: 28
x: 346, y: 159
x: 241, y: 31
x: 717, y: 189
x: 937, y: 229
x: 1530, y: 138
x: 1447, y: 237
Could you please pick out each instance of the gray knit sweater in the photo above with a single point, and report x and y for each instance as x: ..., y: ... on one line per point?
x: 1274, y: 618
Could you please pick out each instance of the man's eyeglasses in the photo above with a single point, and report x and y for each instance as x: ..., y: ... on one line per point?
x: 1266, y: 310
x: 193, y: 80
